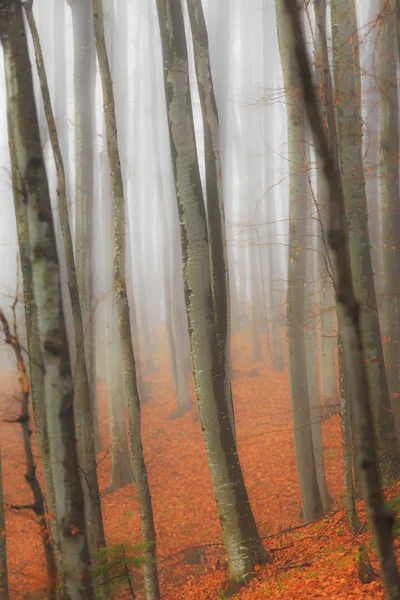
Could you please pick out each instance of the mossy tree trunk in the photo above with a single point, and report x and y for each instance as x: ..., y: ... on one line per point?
x: 214, y: 195
x: 32, y: 333
x: 58, y: 385
x: 242, y: 541
x: 86, y: 447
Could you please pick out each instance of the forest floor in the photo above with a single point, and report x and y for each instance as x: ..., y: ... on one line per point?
x: 314, y: 561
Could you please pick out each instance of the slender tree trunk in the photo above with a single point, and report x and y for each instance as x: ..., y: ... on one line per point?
x: 58, y: 387
x: 242, y: 542
x: 274, y: 262
x: 300, y: 403
x: 38, y: 505
x: 347, y: 442
x: 349, y: 136
x: 214, y: 195
x: 82, y: 390
x: 121, y: 299
x: 310, y: 334
x: 121, y: 468
x: 177, y: 352
x: 84, y: 84
x: 390, y: 195
x: 327, y: 337
x: 349, y: 322
x: 371, y: 118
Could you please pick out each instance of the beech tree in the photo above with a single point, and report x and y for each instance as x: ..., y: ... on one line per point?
x: 390, y: 193
x: 325, y: 291
x: 58, y: 387
x: 84, y: 84
x: 349, y: 318
x: 38, y: 505
x: 346, y: 74
x: 241, y: 538
x: 214, y: 194
x: 121, y: 301
x: 86, y: 443
x: 299, y: 391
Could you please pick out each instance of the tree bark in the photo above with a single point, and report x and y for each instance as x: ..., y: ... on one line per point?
x: 390, y: 195
x: 58, y: 387
x: 356, y: 218
x: 33, y: 340
x: 121, y: 468
x: 214, y: 195
x: 349, y: 321
x: 299, y: 395
x: 310, y: 335
x: 242, y: 541
x: 38, y: 505
x: 327, y: 337
x: 347, y: 443
x: 86, y: 447
x: 121, y: 300
x: 371, y: 119
x: 84, y: 88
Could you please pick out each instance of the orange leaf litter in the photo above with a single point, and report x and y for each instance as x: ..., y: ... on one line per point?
x: 316, y: 561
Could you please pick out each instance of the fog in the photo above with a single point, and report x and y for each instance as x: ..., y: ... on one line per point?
x: 263, y: 191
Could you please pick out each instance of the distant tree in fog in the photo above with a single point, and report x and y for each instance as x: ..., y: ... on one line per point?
x: 296, y: 295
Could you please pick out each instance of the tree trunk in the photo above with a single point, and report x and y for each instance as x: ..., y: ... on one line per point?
x: 300, y: 403
x: 242, y: 542
x: 84, y: 84
x: 38, y: 505
x: 121, y: 468
x: 33, y: 340
x: 349, y: 322
x: 349, y: 135
x: 347, y: 443
x: 121, y: 300
x: 82, y: 390
x: 327, y: 337
x: 390, y: 195
x: 274, y: 262
x: 214, y: 195
x: 311, y: 353
x: 371, y: 117
x: 58, y: 386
